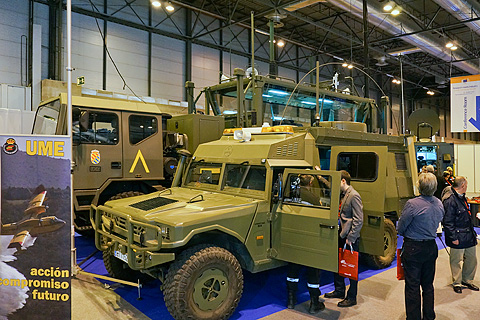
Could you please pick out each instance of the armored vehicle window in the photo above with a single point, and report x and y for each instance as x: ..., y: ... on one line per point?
x: 308, y: 190
x: 46, y: 118
x: 324, y: 154
x: 361, y: 165
x: 141, y: 127
x: 245, y: 176
x: 102, y: 128
x: 203, y: 173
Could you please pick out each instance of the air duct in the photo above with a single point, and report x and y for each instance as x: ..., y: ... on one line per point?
x: 394, y: 26
x: 462, y: 10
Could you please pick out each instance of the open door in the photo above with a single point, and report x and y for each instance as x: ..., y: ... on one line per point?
x: 305, y: 224
x: 368, y: 169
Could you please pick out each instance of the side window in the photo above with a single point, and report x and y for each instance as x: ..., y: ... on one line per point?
x: 308, y: 190
x: 102, y: 128
x: 360, y: 165
x: 141, y: 127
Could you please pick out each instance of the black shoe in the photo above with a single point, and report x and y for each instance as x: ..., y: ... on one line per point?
x: 292, y: 299
x: 345, y: 303
x: 470, y: 286
x: 335, y: 294
x: 457, y: 289
x: 315, y: 305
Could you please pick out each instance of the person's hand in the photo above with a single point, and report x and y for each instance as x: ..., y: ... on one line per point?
x: 317, y: 168
x: 456, y: 242
x: 348, y: 242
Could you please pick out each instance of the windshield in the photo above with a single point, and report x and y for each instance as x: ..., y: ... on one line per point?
x: 203, y: 173
x: 46, y: 118
x: 245, y: 176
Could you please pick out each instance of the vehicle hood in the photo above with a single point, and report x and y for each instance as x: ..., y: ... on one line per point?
x: 184, y: 206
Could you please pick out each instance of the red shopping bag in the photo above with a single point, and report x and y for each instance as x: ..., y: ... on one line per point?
x: 348, y: 263
x: 400, y: 271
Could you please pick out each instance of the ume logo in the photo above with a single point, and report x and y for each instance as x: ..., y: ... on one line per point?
x: 45, y: 148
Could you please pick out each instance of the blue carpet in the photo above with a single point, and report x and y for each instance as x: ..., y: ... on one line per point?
x: 263, y: 294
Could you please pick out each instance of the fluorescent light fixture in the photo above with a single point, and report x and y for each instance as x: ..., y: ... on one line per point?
x: 156, y: 3
x: 309, y: 103
x: 449, y: 45
x: 396, y: 11
x: 278, y: 92
x: 388, y: 7
x: 229, y: 112
x: 266, y: 95
x: 454, y: 47
x: 278, y: 118
x: 325, y: 101
x: 320, y: 100
x: 280, y: 43
x: 169, y: 7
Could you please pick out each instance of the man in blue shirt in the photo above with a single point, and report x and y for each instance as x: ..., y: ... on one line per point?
x: 418, y: 225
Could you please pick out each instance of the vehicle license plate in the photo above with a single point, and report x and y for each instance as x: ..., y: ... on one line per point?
x: 121, y: 256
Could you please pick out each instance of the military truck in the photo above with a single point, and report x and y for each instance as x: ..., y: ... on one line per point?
x: 121, y: 148
x: 239, y: 206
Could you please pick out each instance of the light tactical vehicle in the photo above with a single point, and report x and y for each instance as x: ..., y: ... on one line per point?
x: 121, y: 148
x: 239, y: 206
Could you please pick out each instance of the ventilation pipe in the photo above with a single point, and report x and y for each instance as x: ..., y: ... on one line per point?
x: 462, y: 10
x: 396, y: 26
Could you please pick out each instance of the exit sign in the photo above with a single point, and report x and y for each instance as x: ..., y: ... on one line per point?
x: 80, y: 81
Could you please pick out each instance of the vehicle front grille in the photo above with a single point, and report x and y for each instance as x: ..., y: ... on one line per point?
x: 147, y: 205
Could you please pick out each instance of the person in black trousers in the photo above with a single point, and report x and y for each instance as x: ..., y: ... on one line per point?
x: 351, y: 222
x: 418, y: 225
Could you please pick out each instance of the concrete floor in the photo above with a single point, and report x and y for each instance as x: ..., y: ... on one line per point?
x: 380, y: 297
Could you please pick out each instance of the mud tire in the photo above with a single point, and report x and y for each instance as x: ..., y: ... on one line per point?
x: 390, y: 248
x: 204, y: 282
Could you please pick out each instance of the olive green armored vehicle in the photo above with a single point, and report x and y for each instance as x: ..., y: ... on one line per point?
x: 121, y: 147
x: 237, y: 205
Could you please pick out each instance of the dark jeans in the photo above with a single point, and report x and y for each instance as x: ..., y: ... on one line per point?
x: 418, y: 259
x: 313, y: 276
x: 339, y: 281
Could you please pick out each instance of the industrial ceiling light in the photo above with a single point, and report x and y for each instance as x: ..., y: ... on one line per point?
x: 345, y: 64
x: 156, y: 3
x: 396, y: 11
x: 449, y: 45
x: 389, y: 6
x: 430, y: 92
x: 396, y: 81
x: 350, y: 66
x: 169, y: 7
x: 280, y: 43
x: 454, y: 47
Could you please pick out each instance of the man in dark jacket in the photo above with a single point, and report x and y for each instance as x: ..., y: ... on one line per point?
x: 351, y: 222
x: 460, y: 236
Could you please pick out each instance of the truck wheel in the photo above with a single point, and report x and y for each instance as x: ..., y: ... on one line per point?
x: 127, y: 194
x: 205, y: 282
x: 390, y: 247
x: 120, y: 270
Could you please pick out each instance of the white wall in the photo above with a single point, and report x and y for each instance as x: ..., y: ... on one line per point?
x: 467, y: 164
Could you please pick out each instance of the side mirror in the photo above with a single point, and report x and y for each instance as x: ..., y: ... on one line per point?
x: 278, y: 189
x: 83, y: 120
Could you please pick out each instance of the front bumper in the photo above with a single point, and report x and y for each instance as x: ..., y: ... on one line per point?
x: 132, y: 241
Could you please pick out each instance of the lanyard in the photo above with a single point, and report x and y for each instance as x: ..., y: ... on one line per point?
x: 468, y: 208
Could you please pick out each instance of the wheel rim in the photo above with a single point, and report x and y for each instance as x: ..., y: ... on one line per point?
x: 210, y: 289
x: 387, y: 244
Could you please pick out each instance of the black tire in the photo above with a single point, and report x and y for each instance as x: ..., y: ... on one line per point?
x: 120, y: 270
x: 127, y: 194
x: 217, y: 275
x: 390, y: 248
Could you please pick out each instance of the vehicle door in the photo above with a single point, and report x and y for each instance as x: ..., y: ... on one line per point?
x: 97, y: 149
x: 142, y: 146
x: 305, y: 223
x: 368, y: 168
